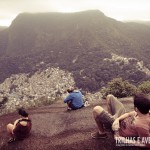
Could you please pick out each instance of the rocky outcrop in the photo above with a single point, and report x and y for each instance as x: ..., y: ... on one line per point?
x: 41, y: 88
x: 25, y: 90
x: 122, y: 61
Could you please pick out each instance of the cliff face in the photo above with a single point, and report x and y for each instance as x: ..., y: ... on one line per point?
x: 77, y: 42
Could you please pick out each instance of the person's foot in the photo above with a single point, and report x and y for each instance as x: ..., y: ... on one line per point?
x: 86, y: 104
x: 97, y: 135
x: 11, y: 140
x: 69, y: 108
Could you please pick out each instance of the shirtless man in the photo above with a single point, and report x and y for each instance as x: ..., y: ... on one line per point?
x: 134, y: 124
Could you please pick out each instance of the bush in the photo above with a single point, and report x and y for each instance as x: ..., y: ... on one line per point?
x: 144, y: 87
x: 119, y: 88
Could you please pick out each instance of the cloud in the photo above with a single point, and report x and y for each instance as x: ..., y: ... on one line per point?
x: 118, y: 9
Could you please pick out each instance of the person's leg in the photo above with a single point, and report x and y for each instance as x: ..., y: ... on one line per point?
x: 97, y: 112
x: 103, y: 120
x: 10, y: 128
x: 70, y: 106
x: 115, y: 107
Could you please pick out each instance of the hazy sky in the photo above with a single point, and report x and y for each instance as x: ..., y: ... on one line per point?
x: 117, y: 9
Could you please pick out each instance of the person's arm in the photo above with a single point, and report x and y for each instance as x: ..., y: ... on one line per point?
x: 68, y: 98
x: 116, y: 125
x: 129, y: 141
x: 142, y: 139
x: 15, y: 123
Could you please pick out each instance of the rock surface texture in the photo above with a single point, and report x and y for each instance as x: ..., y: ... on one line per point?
x: 54, y: 128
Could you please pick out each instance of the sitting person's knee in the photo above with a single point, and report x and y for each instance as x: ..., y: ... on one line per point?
x: 97, y: 110
x: 9, y: 126
x: 110, y: 98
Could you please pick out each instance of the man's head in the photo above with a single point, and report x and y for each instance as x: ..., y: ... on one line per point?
x: 22, y: 112
x: 142, y: 103
x: 71, y: 89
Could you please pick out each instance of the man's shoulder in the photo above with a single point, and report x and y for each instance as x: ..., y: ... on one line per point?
x: 142, y: 123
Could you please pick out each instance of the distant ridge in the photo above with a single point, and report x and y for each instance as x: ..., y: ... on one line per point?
x: 139, y: 21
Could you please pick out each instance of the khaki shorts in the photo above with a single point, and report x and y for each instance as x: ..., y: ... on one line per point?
x: 106, y: 119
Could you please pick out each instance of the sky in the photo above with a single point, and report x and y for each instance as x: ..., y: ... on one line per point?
x: 118, y: 9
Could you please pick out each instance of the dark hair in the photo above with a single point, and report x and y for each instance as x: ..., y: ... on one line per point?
x: 70, y: 90
x: 142, y: 103
x: 22, y: 112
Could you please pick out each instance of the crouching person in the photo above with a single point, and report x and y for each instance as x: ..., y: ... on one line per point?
x: 21, y: 127
x: 132, y: 128
x: 74, y: 100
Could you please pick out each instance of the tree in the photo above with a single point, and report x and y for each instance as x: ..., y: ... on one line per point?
x: 144, y: 87
x: 119, y: 88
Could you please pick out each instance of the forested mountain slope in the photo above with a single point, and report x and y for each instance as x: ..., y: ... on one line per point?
x: 83, y: 43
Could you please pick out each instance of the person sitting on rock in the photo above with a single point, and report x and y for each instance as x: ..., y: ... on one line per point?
x: 134, y: 125
x: 21, y: 127
x: 74, y: 100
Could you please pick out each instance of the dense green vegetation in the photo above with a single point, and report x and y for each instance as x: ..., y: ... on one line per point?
x: 144, y: 87
x: 122, y: 88
x: 119, y: 88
